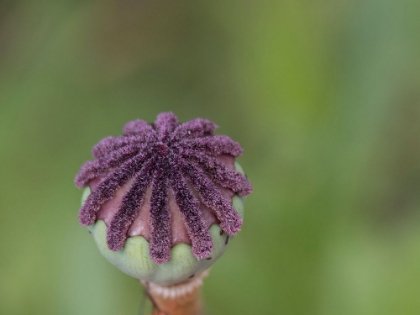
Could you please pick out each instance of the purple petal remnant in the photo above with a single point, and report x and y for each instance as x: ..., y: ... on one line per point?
x: 185, y: 163
x: 189, y: 207
x: 129, y: 207
x: 137, y: 127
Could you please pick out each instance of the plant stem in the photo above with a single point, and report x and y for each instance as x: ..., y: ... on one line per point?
x: 188, y: 304
x: 180, y: 299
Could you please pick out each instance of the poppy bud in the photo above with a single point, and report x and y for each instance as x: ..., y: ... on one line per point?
x: 163, y: 200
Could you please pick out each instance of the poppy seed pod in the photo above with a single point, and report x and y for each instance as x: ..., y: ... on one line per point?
x: 162, y: 200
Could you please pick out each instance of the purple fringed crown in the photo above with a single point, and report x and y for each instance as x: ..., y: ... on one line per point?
x: 180, y: 161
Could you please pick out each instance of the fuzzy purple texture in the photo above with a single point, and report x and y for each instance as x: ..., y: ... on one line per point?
x: 165, y: 156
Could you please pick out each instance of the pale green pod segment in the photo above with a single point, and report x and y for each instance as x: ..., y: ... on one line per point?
x: 239, y: 168
x: 134, y: 258
x: 85, y: 194
x: 238, y: 205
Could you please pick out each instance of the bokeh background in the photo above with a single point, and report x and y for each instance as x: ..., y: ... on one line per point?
x: 323, y: 95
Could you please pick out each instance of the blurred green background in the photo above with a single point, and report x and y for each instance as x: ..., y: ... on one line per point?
x: 323, y: 95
